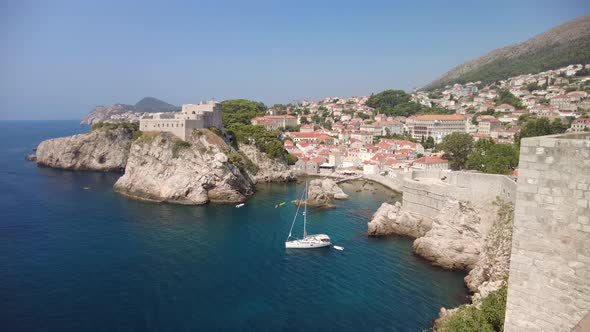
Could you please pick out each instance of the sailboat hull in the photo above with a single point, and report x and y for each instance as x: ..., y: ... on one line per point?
x: 309, y: 242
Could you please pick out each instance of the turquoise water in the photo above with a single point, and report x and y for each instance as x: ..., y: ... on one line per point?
x: 74, y: 259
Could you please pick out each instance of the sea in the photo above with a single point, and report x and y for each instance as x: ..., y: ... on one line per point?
x: 75, y: 256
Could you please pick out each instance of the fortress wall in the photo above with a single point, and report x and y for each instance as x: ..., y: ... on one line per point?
x: 425, y: 192
x: 549, y: 284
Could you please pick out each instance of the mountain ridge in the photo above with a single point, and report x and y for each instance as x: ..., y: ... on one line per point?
x: 562, y: 45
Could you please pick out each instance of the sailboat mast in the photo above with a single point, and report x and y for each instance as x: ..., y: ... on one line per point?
x: 305, y: 212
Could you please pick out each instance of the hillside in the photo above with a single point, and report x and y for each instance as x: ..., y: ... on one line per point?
x: 154, y: 105
x: 563, y: 45
x: 127, y: 113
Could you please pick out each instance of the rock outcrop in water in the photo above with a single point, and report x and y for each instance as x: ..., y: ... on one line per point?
x: 163, y: 168
x: 391, y: 219
x: 321, y: 192
x: 98, y: 150
x: 267, y: 169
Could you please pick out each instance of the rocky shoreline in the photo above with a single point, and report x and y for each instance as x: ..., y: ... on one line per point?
x: 460, y: 237
x: 158, y: 167
x: 104, y: 150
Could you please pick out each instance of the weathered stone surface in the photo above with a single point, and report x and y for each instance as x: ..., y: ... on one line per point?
x: 322, y: 191
x: 269, y: 170
x: 493, y: 264
x: 161, y: 169
x: 99, y: 150
x: 456, y: 237
x: 393, y: 220
x: 549, y: 283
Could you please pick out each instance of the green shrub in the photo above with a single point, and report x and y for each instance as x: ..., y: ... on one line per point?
x: 115, y: 125
x: 136, y: 135
x: 489, y: 318
x: 179, y: 145
x: 242, y: 162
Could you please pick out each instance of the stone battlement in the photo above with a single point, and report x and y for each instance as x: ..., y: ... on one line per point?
x: 549, y: 284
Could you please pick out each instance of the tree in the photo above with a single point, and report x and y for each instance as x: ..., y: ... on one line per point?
x: 429, y: 143
x: 240, y: 111
x: 457, y: 147
x: 533, y: 86
x: 303, y: 120
x: 506, y: 97
x: 490, y: 157
x: 540, y: 127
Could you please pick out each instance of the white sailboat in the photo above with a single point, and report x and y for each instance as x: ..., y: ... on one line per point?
x: 308, y: 241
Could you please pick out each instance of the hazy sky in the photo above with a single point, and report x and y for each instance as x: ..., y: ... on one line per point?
x: 58, y: 59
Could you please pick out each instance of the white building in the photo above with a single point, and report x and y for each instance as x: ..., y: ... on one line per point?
x: 436, y: 126
x: 192, y: 116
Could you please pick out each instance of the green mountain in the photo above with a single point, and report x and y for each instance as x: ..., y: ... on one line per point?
x: 563, y: 45
x: 153, y: 105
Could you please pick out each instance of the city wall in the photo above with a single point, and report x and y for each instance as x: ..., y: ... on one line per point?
x: 426, y: 191
x: 549, y: 284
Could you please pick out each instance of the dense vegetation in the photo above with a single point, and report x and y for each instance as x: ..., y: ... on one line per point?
x: 154, y: 105
x: 506, y: 97
x: 457, y: 147
x: 484, y: 155
x: 532, y: 127
x: 490, y: 157
x: 489, y: 318
x: 237, y: 114
x: 398, y: 103
x: 115, y: 125
x: 241, y: 111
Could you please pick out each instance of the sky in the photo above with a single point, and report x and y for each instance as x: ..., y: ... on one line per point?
x: 59, y: 59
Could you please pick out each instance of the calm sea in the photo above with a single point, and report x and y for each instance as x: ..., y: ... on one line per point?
x: 75, y: 259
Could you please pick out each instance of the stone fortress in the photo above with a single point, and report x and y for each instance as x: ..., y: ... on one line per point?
x: 192, y: 116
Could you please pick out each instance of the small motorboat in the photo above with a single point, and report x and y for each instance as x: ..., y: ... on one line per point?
x: 339, y: 248
x: 240, y: 205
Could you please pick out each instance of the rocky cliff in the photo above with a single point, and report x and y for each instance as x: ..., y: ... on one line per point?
x: 163, y: 168
x: 99, y: 150
x: 321, y: 192
x: 267, y: 169
x: 461, y: 236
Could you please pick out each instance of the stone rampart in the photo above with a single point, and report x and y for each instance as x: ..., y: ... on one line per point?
x: 549, y: 284
x: 425, y: 192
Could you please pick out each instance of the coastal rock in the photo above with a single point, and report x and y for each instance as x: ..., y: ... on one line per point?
x: 98, y: 150
x: 321, y: 192
x: 456, y: 238
x: 268, y: 170
x: 493, y: 265
x: 31, y: 157
x: 163, y: 168
x: 393, y: 220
